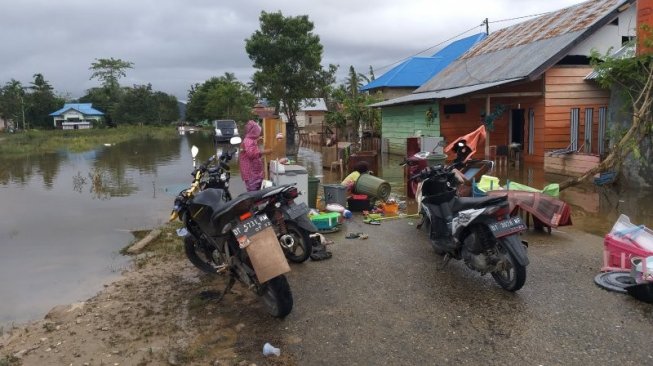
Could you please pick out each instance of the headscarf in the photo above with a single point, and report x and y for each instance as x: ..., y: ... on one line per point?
x: 252, y: 130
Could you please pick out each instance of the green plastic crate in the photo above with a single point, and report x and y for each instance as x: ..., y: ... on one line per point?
x: 325, y: 221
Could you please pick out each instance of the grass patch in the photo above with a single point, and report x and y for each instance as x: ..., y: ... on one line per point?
x: 9, y: 361
x: 166, y: 244
x: 48, y: 141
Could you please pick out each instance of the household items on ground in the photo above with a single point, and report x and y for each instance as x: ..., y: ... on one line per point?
x: 628, y: 260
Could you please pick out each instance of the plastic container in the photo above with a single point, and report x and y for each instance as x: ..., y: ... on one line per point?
x: 335, y: 193
x: 372, y: 186
x: 391, y: 208
x: 618, y: 252
x: 313, y: 185
x: 641, y: 235
x: 358, y: 203
x: 326, y: 221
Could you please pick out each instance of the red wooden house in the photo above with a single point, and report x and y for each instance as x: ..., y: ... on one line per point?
x: 532, y: 78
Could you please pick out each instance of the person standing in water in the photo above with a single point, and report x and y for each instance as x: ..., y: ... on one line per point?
x: 251, y: 157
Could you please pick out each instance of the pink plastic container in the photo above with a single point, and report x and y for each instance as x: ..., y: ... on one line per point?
x: 618, y: 250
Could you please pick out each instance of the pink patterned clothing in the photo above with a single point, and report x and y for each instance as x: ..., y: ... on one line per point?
x: 251, y: 163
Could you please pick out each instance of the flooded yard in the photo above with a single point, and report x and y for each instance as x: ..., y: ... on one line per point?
x: 66, y: 216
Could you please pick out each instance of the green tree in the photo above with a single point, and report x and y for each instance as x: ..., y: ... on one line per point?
x: 108, y: 71
x: 140, y: 105
x: 230, y: 99
x: 41, y: 101
x: 12, y: 102
x: 220, y: 97
x: 287, y: 56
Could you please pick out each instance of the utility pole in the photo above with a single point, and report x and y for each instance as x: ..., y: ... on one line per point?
x: 487, y: 26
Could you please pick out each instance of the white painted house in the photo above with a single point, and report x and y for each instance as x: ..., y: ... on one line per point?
x: 76, y: 116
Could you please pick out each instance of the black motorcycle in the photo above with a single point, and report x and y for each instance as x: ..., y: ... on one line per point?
x: 289, y: 220
x: 479, y: 231
x: 216, y: 228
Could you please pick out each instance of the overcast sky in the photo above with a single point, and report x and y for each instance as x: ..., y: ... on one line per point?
x: 175, y: 43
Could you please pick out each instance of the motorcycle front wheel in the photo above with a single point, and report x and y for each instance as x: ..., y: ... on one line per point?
x: 513, y: 277
x: 297, y: 244
x: 198, y: 255
x: 276, y: 297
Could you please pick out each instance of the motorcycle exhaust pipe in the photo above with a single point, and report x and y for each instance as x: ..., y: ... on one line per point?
x: 287, y: 241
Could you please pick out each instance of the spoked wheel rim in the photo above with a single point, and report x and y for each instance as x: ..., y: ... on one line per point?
x: 513, y: 276
x: 508, y: 275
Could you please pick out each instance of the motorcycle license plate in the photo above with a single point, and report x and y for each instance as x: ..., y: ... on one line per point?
x: 251, y: 227
x: 507, y: 227
x: 295, y: 211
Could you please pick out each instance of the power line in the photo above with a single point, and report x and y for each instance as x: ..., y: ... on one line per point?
x: 522, y: 17
x: 485, y: 23
x: 430, y: 48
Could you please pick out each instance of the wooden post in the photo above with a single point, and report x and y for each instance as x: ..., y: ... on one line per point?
x: 487, y: 132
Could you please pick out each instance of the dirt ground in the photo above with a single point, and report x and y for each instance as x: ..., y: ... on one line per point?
x: 153, y: 315
x: 385, y: 300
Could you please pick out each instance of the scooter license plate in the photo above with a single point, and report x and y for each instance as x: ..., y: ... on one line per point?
x: 297, y: 210
x: 507, y: 227
x: 251, y: 227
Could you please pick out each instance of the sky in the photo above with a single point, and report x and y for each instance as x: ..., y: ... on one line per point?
x: 175, y: 44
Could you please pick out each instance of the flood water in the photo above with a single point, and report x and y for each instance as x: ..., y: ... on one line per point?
x: 66, y: 216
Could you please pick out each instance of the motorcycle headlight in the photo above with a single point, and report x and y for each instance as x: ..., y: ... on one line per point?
x: 223, y: 177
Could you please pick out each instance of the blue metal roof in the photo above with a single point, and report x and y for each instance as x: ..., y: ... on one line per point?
x: 83, y: 108
x: 418, y: 70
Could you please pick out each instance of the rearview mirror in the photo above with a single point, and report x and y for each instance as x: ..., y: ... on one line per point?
x: 194, y: 150
x: 235, y: 140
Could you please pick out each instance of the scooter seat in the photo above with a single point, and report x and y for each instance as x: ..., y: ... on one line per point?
x: 466, y: 203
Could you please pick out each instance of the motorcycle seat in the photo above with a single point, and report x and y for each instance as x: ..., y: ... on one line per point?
x: 466, y: 203
x: 257, y: 195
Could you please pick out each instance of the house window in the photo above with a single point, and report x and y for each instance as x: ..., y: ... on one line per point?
x: 589, y: 117
x: 531, y: 131
x: 454, y: 109
x: 603, y: 111
x: 573, y: 135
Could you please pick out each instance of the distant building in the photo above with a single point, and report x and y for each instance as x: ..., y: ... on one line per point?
x: 74, y: 116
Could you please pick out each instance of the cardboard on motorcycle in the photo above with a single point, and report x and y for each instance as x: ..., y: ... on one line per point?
x: 266, y: 255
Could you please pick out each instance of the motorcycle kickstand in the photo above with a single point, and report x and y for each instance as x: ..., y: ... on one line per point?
x: 445, y: 261
x: 230, y: 284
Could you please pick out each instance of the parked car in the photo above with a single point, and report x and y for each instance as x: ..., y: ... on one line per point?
x: 225, y: 129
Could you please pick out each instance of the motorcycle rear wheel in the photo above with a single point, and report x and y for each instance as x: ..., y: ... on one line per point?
x: 302, y: 246
x: 197, y: 255
x: 277, y: 297
x: 513, y: 278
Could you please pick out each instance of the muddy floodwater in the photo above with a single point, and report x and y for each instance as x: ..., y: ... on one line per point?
x: 65, y: 216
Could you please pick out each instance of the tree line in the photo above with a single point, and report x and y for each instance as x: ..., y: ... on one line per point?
x: 29, y: 107
x: 286, y: 55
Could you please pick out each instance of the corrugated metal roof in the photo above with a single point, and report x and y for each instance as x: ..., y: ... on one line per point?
x: 441, y: 94
x: 624, y: 52
x: 526, y: 49
x: 83, y: 108
x: 417, y: 70
x: 313, y: 105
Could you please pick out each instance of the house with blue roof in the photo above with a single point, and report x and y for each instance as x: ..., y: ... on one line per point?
x: 400, y: 123
x: 76, y: 116
x: 404, y: 78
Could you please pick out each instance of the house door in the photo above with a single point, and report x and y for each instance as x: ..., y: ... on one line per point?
x: 517, y: 127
